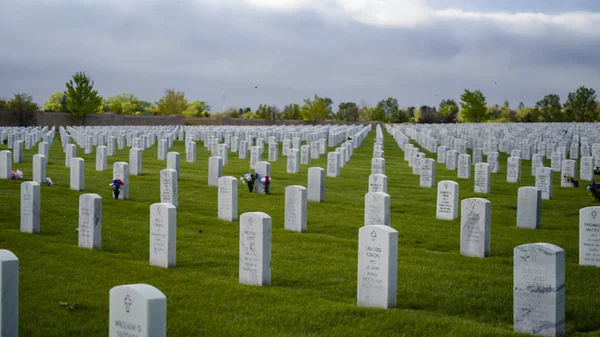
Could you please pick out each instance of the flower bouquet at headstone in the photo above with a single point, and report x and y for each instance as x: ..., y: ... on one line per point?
x: 594, y: 189
x: 248, y: 180
x: 597, y: 170
x: 48, y: 182
x: 16, y: 175
x: 572, y: 180
x: 116, y: 187
x: 266, y: 180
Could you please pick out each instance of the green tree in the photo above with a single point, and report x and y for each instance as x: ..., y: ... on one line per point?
x: 197, y: 109
x: 448, y: 111
x: 429, y: 115
x: 581, y: 105
x: 3, y: 105
x: 550, y: 109
x: 399, y: 116
x: 82, y: 99
x: 473, y: 106
x: 57, y: 102
x: 315, y: 110
x: 388, y: 108
x: 292, y: 111
x: 348, y: 111
x: 508, y: 114
x: 329, y: 104
x: 23, y: 108
x: 172, y: 103
x: 123, y: 104
x: 528, y: 114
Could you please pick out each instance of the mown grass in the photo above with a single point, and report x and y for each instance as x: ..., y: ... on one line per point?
x: 313, y: 291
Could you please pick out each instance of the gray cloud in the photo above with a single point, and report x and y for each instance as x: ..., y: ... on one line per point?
x: 212, y: 48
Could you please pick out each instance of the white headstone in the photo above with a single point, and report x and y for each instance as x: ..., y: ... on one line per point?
x: 173, y: 163
x: 228, y: 199
x: 169, y: 187
x: 378, y: 183
x: 215, y: 170
x: 427, y: 178
x: 447, y: 200
x: 377, y: 209
x: 333, y: 164
x: 163, y: 235
x: 589, y: 236
x: 39, y: 168
x: 5, y: 164
x: 513, y: 170
x: 30, y: 207
x: 295, y: 208
x: 255, y: 249
x: 539, y: 289
x: 377, y: 166
x: 482, y: 178
x: 121, y: 171
x: 70, y: 153
x: 475, y: 227
x: 569, y: 168
x: 377, y: 266
x: 135, y: 162
x: 190, y: 152
x: 9, y: 298
x: 464, y: 166
x: 138, y: 310
x: 543, y: 181
x: 90, y: 221
x: 316, y: 184
x: 292, y: 162
x: 586, y: 170
x: 529, y: 206
x: 101, y: 157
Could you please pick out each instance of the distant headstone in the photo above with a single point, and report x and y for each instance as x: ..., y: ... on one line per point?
x: 513, y: 170
x: 135, y: 162
x: 5, y: 164
x: 255, y: 249
x: 215, y: 170
x: 451, y: 159
x: 163, y: 235
x: 30, y: 207
x: 333, y: 164
x: 190, y: 152
x: 168, y: 187
x: 427, y: 178
x: 137, y: 310
x: 464, y: 166
x: 447, y: 200
x: 543, y: 181
x: 39, y: 168
x: 569, y: 169
x: 586, y: 171
x: 228, y: 199
x: 70, y: 153
x: 173, y: 163
x: 377, y: 266
x: 475, y: 227
x: 295, y: 208
x: 482, y: 178
x: 529, y: 207
x: 90, y: 220
x: 377, y: 209
x: 539, y: 289
x: 292, y: 162
x: 316, y: 184
x: 101, y: 158
x: 121, y: 171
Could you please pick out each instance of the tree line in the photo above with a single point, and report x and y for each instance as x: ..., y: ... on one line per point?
x: 81, y: 99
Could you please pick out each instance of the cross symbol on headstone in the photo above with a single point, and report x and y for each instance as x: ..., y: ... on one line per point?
x: 127, y: 303
x: 594, y: 213
x: 373, y: 235
x: 446, y: 185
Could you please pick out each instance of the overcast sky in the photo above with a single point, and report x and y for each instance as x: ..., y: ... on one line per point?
x: 418, y: 51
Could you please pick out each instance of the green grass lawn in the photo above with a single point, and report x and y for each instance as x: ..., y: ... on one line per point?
x: 313, y: 291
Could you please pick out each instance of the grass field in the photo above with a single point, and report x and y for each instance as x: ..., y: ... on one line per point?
x: 313, y: 291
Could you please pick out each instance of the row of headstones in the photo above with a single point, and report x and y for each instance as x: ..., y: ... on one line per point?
x: 141, y: 310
